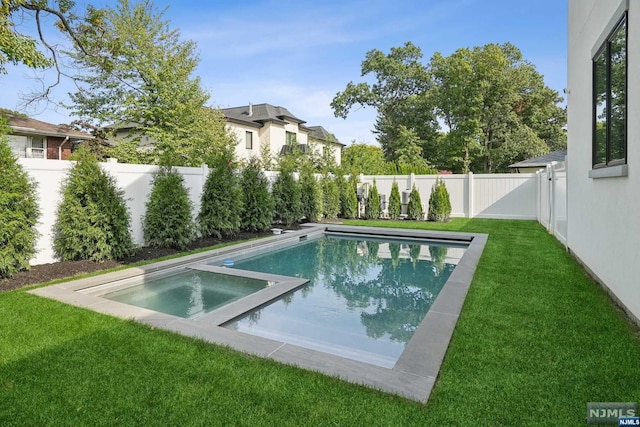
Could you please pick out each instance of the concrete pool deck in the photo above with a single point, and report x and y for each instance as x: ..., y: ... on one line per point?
x: 414, y: 374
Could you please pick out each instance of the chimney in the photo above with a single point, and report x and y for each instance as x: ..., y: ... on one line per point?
x: 250, y: 110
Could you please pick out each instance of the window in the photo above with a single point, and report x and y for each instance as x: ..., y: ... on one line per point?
x: 249, y: 140
x: 610, y: 99
x: 291, y: 138
x: 37, y: 147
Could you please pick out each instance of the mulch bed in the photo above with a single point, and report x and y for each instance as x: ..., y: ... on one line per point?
x: 58, y: 270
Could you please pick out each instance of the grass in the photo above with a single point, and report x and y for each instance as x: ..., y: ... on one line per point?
x: 536, y: 341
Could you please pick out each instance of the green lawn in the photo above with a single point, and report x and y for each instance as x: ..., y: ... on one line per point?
x: 536, y: 341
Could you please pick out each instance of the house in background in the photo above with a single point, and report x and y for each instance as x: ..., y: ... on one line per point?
x: 603, y: 174
x: 535, y: 164
x: 277, y: 128
x: 31, y: 138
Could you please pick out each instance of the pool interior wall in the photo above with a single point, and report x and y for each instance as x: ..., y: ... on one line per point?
x: 413, y: 375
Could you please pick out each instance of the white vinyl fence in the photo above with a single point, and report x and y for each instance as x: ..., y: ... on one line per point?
x: 552, y: 199
x: 505, y: 196
x: 135, y: 180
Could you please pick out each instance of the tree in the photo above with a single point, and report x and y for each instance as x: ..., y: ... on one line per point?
x: 439, y: 202
x: 400, y: 94
x: 348, y: 198
x: 286, y: 194
x: 19, y: 48
x: 414, y: 208
x: 372, y: 206
x: 311, y: 193
x: 363, y: 158
x: 395, y: 207
x: 93, y: 221
x: 331, y: 197
x: 168, y: 222
x: 137, y: 70
x: 19, y: 212
x: 221, y: 201
x: 484, y: 95
x: 257, y: 202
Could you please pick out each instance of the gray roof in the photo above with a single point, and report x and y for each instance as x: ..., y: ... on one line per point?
x: 318, y: 132
x: 541, y: 161
x: 260, y: 113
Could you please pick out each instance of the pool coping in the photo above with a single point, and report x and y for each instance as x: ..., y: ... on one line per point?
x: 414, y: 374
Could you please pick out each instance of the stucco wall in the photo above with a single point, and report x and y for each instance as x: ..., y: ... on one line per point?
x: 603, y: 214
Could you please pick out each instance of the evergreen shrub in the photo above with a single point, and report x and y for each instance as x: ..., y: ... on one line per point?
x: 395, y: 206
x: 331, y: 197
x: 168, y: 222
x: 92, y: 220
x: 311, y: 193
x: 19, y: 214
x: 221, y: 201
x: 372, y: 206
x: 287, y: 197
x: 257, y: 202
x: 348, y: 197
x: 414, y: 208
x: 439, y: 202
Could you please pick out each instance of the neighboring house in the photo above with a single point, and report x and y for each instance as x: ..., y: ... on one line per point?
x: 32, y: 138
x: 603, y: 173
x: 275, y: 127
x: 540, y: 162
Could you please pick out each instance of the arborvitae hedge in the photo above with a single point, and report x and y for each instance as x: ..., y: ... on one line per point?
x: 348, y: 199
x: 287, y: 196
x: 257, y: 202
x: 414, y: 208
x: 395, y: 206
x: 18, y: 214
x: 221, y: 201
x: 311, y: 193
x: 331, y: 197
x: 372, y: 206
x: 93, y: 221
x: 168, y: 222
x: 439, y: 203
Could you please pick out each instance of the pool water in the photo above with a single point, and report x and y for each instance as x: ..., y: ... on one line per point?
x: 188, y: 294
x: 365, y: 298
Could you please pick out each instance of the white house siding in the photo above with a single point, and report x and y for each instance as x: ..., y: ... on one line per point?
x: 240, y: 132
x: 603, y: 214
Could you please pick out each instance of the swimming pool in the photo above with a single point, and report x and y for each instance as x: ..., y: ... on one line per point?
x: 365, y: 296
x: 365, y: 310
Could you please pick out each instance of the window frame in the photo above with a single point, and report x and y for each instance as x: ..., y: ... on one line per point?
x: 291, y: 138
x: 604, y: 48
x: 248, y: 140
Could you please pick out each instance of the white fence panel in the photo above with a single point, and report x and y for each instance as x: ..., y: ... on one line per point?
x: 134, y: 180
x: 508, y: 196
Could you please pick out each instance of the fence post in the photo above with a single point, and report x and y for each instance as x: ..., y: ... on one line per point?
x: 554, y: 214
x: 204, y: 169
x: 470, y: 213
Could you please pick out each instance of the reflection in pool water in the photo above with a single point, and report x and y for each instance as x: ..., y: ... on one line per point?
x: 365, y: 298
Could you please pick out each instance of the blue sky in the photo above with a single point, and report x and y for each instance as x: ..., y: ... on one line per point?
x: 299, y: 54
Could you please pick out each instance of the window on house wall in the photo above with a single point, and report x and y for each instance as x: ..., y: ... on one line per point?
x: 36, y: 147
x: 18, y: 145
x: 610, y: 99
x: 291, y: 138
x: 249, y: 140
